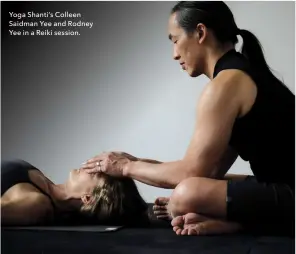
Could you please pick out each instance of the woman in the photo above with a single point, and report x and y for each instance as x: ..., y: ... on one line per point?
x: 28, y: 197
x: 243, y: 111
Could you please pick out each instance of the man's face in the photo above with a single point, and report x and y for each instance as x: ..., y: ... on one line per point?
x: 186, y: 48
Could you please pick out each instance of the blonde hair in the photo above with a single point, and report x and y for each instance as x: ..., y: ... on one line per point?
x: 116, y: 200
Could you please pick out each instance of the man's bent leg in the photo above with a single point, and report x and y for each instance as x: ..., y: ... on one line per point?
x: 161, y: 203
x: 247, y: 202
x: 199, y: 195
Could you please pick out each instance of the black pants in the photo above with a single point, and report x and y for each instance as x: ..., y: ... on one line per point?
x: 267, y: 208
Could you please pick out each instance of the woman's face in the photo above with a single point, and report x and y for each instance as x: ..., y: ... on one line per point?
x: 81, y: 183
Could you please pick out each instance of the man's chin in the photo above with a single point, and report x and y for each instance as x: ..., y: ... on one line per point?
x: 193, y: 73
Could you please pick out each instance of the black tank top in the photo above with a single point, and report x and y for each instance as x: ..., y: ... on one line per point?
x: 17, y: 171
x: 265, y: 136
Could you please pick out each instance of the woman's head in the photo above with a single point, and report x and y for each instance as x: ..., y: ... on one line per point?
x: 106, y: 198
x: 81, y: 184
x: 115, y: 200
x: 200, y: 27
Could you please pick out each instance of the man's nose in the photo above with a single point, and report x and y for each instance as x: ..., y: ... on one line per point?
x: 176, y: 54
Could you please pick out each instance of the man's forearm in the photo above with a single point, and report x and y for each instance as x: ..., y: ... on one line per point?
x: 164, y: 175
x: 170, y: 174
x: 150, y: 161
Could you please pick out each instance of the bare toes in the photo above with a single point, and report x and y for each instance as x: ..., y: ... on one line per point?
x: 160, y: 212
x: 163, y: 217
x: 179, y: 231
x: 191, y: 218
x: 184, y: 231
x: 159, y: 207
x: 162, y: 201
x: 178, y: 221
x: 176, y: 228
x: 192, y: 231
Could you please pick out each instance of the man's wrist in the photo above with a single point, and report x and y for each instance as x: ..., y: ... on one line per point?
x: 128, y: 168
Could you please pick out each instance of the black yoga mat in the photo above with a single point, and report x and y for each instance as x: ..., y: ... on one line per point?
x: 96, y: 228
x: 139, y: 241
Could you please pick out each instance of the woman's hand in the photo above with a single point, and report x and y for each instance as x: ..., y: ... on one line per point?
x: 111, y: 163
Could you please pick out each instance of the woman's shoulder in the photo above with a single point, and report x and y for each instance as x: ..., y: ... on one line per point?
x: 44, y: 210
x: 26, y: 199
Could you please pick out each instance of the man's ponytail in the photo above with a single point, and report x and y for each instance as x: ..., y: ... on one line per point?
x: 217, y: 16
x: 252, y: 50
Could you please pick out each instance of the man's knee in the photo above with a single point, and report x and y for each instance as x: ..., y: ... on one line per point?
x: 187, y: 196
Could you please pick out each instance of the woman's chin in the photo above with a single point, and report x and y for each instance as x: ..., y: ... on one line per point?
x: 72, y: 174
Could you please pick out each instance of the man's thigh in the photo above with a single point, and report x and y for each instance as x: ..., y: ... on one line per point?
x: 236, y: 177
x: 262, y: 206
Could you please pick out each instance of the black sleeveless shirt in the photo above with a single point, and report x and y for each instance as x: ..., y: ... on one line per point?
x: 14, y: 172
x: 17, y: 171
x: 265, y: 136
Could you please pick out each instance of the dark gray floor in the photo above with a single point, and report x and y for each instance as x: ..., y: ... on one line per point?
x: 156, y: 238
x: 138, y: 241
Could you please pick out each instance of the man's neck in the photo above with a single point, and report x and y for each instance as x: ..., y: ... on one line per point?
x: 213, y: 57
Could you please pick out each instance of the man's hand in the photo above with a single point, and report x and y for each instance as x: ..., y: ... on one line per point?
x: 111, y: 163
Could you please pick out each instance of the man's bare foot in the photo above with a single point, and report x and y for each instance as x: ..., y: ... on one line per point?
x: 160, y: 208
x: 196, y: 224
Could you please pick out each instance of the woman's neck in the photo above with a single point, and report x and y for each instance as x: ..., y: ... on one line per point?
x: 62, y: 200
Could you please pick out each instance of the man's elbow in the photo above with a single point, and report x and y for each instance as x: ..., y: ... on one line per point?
x: 187, y: 169
x: 200, y: 170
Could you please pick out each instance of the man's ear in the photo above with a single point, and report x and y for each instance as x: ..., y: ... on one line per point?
x: 86, y: 199
x: 201, y: 31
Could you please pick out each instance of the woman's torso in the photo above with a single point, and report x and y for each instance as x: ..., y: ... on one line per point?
x: 14, y: 172
x: 20, y: 179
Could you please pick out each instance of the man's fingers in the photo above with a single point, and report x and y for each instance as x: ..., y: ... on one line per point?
x: 89, y: 171
x: 94, y: 167
x: 92, y: 160
x: 96, y: 158
x: 90, y: 165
